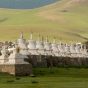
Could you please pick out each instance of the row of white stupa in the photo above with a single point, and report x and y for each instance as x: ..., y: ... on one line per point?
x: 40, y: 47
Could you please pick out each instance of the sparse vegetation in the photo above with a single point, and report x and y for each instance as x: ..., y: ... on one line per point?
x: 10, y: 81
x: 34, y: 81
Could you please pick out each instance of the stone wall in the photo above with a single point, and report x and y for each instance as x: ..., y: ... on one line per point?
x: 52, y: 61
x: 18, y: 69
x: 23, y: 69
x: 8, y: 69
x: 37, y: 60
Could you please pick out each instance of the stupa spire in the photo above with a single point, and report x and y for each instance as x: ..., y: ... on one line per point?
x: 54, y: 40
x: 21, y: 35
x: 31, y: 36
x: 42, y: 38
x: 46, y: 38
x: 39, y: 37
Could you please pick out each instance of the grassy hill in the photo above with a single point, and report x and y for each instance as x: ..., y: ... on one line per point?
x: 66, y: 20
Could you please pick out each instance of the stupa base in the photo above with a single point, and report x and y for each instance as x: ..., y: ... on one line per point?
x: 17, y: 69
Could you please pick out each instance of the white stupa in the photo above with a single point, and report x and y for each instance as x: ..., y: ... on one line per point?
x: 61, y: 48
x: 47, y: 47
x: 4, y: 56
x: 67, y: 50
x: 84, y: 51
x: 54, y: 47
x: 77, y: 48
x: 73, y: 50
x: 21, y: 43
x: 40, y: 46
x: 31, y: 43
x: 32, y: 46
x: 16, y: 58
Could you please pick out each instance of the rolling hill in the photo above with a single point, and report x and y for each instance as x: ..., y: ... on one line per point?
x: 66, y: 20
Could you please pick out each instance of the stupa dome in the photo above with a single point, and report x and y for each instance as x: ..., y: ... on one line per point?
x: 40, y: 44
x: 54, y: 46
x: 22, y: 42
x: 47, y: 45
x: 31, y: 43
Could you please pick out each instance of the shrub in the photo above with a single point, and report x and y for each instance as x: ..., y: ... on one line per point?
x: 17, y: 78
x: 34, y: 81
x: 10, y: 81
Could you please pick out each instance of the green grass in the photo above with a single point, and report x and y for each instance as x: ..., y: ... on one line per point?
x: 48, y: 78
x: 70, y: 26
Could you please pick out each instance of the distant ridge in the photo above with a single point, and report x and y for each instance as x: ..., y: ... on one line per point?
x: 73, y: 2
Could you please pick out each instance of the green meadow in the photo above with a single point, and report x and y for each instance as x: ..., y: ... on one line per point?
x: 65, y: 20
x: 48, y: 78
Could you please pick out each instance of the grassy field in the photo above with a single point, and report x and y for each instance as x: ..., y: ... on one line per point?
x: 48, y: 78
x: 66, y: 20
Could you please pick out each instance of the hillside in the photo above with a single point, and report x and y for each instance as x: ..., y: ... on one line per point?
x: 66, y: 20
x: 71, y: 16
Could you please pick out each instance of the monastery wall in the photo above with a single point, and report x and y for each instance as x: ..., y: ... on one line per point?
x: 19, y: 57
x: 50, y: 61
